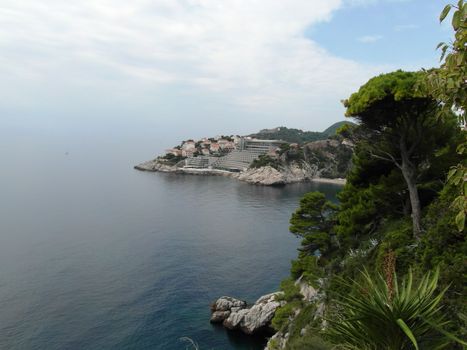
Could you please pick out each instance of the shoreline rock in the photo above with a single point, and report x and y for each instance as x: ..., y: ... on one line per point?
x: 234, y: 314
x: 155, y: 165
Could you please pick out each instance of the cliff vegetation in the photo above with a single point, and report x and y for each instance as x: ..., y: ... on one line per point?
x: 389, y: 262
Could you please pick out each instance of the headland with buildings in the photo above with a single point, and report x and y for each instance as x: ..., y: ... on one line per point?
x: 246, y: 158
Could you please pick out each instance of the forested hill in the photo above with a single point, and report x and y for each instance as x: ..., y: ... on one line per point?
x: 297, y: 135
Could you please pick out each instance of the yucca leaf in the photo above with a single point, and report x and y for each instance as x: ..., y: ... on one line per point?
x: 370, y: 320
x: 447, y: 334
x: 408, y: 332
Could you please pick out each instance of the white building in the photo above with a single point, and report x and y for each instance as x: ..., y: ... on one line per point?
x: 188, y: 145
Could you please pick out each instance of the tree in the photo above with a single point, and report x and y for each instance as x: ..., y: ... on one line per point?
x: 449, y: 84
x: 398, y: 124
x: 313, y: 221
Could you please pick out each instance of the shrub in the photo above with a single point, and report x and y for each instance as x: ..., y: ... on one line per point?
x: 385, y: 314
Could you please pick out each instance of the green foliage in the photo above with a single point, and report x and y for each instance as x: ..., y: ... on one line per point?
x: 291, y: 292
x: 397, y: 238
x: 346, y: 130
x: 171, y: 159
x: 284, y: 147
x: 293, y: 297
x: 294, y: 155
x: 306, y: 318
x: 331, y: 157
x: 343, y: 156
x: 306, y: 266
x: 304, y: 332
x: 399, y: 125
x: 296, y: 135
x: 449, y: 84
x: 386, y: 314
x: 313, y: 221
x: 284, y: 315
x: 336, y: 127
x: 309, y: 342
x: 289, y: 135
x: 444, y: 246
x: 391, y: 87
x: 374, y: 216
x: 265, y: 160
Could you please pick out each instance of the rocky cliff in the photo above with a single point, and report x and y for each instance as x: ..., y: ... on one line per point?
x: 332, y: 158
x: 235, y: 314
x: 310, y: 308
x: 286, y: 174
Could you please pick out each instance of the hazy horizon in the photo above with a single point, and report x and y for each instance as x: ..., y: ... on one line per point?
x: 171, y: 70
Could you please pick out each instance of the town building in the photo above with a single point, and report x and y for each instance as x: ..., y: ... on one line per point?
x: 214, y: 147
x: 188, y: 145
x: 174, y: 151
x: 188, y: 153
x: 261, y: 146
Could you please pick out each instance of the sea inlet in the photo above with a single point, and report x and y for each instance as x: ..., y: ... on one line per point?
x: 107, y: 257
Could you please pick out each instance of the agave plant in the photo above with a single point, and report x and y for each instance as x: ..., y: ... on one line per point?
x: 386, y: 315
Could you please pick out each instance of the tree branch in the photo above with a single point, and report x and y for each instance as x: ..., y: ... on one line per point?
x: 389, y: 158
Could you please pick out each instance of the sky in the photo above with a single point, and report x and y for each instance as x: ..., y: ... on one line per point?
x: 190, y: 68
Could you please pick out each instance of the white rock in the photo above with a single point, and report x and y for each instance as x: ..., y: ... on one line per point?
x: 227, y: 303
x: 219, y: 316
x: 235, y: 320
x: 223, y: 307
x: 309, y: 293
x: 249, y: 320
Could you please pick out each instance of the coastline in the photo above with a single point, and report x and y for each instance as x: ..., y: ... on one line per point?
x: 264, y: 176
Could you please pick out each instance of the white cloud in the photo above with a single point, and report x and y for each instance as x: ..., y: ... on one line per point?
x: 252, y: 51
x: 368, y: 39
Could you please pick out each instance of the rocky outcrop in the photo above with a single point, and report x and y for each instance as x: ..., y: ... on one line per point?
x: 325, y: 160
x: 309, y: 292
x: 311, y: 296
x: 234, y: 313
x: 269, y: 176
x: 156, y: 165
x: 224, y: 306
x: 332, y: 158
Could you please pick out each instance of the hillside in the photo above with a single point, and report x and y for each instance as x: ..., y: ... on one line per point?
x: 296, y: 135
x: 334, y: 127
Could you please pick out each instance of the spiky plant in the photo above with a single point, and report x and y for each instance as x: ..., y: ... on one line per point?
x: 381, y: 316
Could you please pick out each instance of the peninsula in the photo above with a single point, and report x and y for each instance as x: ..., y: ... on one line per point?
x: 271, y: 157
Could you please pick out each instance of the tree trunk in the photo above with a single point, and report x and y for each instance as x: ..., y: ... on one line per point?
x: 410, y: 175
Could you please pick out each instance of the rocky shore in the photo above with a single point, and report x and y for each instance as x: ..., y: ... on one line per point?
x: 267, y: 175
x: 234, y: 314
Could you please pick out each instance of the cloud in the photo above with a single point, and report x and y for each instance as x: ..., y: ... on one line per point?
x: 253, y: 52
x: 368, y: 39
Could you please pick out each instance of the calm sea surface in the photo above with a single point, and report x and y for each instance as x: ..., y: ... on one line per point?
x: 96, y: 255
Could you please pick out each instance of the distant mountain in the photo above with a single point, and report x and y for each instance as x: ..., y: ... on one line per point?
x: 297, y: 135
x: 334, y: 127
